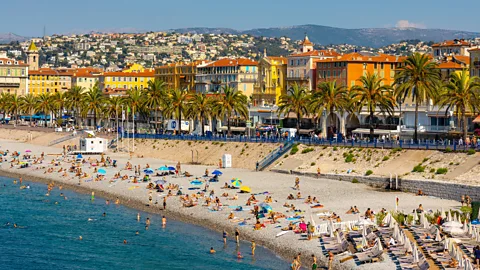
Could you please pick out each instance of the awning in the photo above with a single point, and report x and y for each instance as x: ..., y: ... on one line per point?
x: 477, y: 119
x: 237, y: 129
x: 394, y: 114
x: 375, y: 131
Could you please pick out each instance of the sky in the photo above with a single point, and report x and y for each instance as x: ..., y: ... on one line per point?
x: 28, y: 17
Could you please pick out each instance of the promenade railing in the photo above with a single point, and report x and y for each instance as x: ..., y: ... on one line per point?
x: 274, y: 155
x: 452, y: 145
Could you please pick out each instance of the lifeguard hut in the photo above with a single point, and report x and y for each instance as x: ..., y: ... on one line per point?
x: 92, y: 144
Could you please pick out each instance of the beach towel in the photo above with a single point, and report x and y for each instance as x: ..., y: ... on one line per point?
x: 316, y: 205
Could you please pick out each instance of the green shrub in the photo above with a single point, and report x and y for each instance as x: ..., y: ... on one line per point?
x: 368, y: 159
x: 335, y: 159
x: 471, y: 152
x: 349, y: 158
x: 189, y: 143
x: 355, y: 180
x: 307, y: 150
x: 285, y: 156
x: 312, y: 164
x: 451, y: 163
x: 418, y: 168
x: 442, y: 171
x: 395, y: 150
x: 294, y: 149
x: 369, y: 172
x: 321, y: 154
x: 432, y: 170
x: 448, y: 150
x: 425, y: 160
x: 206, y: 147
x: 335, y: 148
x: 385, y: 158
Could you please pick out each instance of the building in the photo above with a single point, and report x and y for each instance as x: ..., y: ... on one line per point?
x: 451, y: 47
x: 272, y: 80
x: 347, y: 69
x: 475, y: 62
x: 301, y: 65
x: 240, y: 73
x: 178, y: 75
x: 452, y: 64
x: 13, y: 76
x: 47, y: 80
x: 86, y: 77
x: 134, y: 76
x: 33, y: 56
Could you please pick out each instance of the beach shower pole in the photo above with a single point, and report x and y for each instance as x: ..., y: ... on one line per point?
x: 396, y: 181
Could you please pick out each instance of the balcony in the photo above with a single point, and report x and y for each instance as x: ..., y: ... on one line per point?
x: 302, y: 78
x: 248, y: 80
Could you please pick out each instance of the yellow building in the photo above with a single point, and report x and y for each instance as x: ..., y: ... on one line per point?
x: 475, y: 62
x: 13, y: 76
x: 86, y: 77
x: 47, y: 80
x: 178, y: 75
x: 133, y: 77
x: 271, y: 83
x: 33, y: 56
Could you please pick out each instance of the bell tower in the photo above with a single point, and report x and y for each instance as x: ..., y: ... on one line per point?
x: 32, y: 53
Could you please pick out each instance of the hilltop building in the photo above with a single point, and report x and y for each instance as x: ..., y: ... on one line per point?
x: 272, y: 80
x: 13, y: 76
x: 134, y: 76
x: 451, y: 47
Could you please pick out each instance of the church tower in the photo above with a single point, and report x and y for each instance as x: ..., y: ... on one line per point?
x: 307, y: 45
x: 32, y: 53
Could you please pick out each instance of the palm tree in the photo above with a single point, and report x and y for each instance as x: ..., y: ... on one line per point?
x: 93, y: 102
x: 329, y: 97
x: 461, y: 92
x: 296, y: 100
x: 419, y: 80
x: 59, y: 100
x: 14, y: 103
x: 178, y: 99
x: 372, y: 95
x: 232, y: 101
x: 155, y: 93
x: 45, y: 105
x: 202, y: 106
x: 28, y: 104
x: 135, y: 100
x: 74, y: 100
x: 113, y: 107
x: 4, y: 96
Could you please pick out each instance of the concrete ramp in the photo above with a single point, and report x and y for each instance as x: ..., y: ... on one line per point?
x: 464, y: 167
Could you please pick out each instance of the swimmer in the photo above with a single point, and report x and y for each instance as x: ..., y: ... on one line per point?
x: 147, y: 222
x: 239, y: 255
x: 104, y: 214
x: 164, y: 221
x: 137, y: 233
x: 253, y: 247
x: 138, y: 216
x: 93, y: 195
x: 80, y: 238
x: 146, y: 227
x: 212, y: 251
x: 61, y: 194
x: 107, y: 202
x: 125, y: 241
x: 15, y: 225
x: 224, y: 237
x: 56, y: 202
x: 90, y: 219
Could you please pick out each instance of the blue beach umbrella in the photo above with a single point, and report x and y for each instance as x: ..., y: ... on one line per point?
x: 264, y: 208
x: 163, y: 168
x: 196, y: 182
x: 217, y: 172
x: 160, y: 182
x: 170, y: 168
x: 148, y: 171
x: 102, y: 171
x: 79, y: 156
x: 236, y: 182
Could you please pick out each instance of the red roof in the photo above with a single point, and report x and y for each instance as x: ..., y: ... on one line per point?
x: 450, y: 43
x: 12, y: 62
x: 146, y: 73
x: 88, y: 72
x: 324, y: 53
x: 356, y: 57
x: 450, y: 65
x: 227, y: 62
x: 44, y: 71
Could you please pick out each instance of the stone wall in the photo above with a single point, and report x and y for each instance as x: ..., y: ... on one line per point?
x: 443, y: 190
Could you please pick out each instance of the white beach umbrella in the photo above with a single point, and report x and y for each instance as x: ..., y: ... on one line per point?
x: 408, y: 245
x: 330, y: 228
x: 465, y: 227
x: 456, y: 218
x: 467, y: 264
x: 442, y: 214
x: 477, y: 236
x: 364, y: 222
x: 458, y: 254
x: 387, y: 219
x: 454, y: 230
x: 426, y: 225
x: 422, y: 218
x: 446, y: 242
x: 415, y: 216
x: 461, y: 262
x: 312, y: 222
x: 392, y: 223
x: 438, y: 237
x: 415, y: 255
x: 470, y: 230
x: 339, y: 238
x: 364, y: 231
x: 379, y: 244
x: 364, y: 241
x: 401, y: 239
x: 449, y: 218
x: 452, y: 224
x: 395, y: 232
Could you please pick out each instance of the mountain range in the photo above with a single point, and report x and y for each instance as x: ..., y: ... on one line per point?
x: 325, y: 35
x: 9, y: 37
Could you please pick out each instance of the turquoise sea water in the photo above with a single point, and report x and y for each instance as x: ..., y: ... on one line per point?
x: 48, y: 236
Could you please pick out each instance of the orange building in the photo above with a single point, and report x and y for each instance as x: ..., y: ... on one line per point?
x: 348, y: 68
x: 178, y: 75
x: 452, y: 64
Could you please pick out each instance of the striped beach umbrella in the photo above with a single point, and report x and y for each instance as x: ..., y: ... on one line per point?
x: 236, y: 182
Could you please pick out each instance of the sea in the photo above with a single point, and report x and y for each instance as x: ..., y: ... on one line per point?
x: 49, y: 229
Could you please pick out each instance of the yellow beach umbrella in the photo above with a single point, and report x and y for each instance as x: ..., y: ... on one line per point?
x: 245, y: 189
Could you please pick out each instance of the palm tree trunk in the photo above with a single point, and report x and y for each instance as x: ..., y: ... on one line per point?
x: 156, y: 120
x: 179, y: 120
x: 201, y: 123
x: 371, y: 124
x: 229, y: 133
x: 464, y: 119
x: 415, y: 135
x: 298, y: 125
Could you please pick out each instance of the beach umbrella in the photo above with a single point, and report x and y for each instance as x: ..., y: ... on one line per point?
x: 379, y: 244
x: 364, y: 230
x: 392, y: 223
x: 79, y: 156
x: 160, y: 182
x: 415, y: 216
x: 467, y: 265
x: 312, y: 222
x: 264, y: 208
x: 470, y: 231
x: 339, y: 238
x: 102, y: 171
x: 170, y: 168
x: 395, y: 232
x: 196, y: 182
x: 387, y: 219
x: 426, y: 225
x: 163, y: 168
x: 28, y: 151
x: 148, y: 171
x: 408, y: 245
x: 364, y: 222
x: 364, y: 241
x: 452, y: 224
x: 477, y: 237
x: 454, y: 230
x: 456, y: 217
x: 236, y: 182
x: 415, y: 254
x: 458, y: 255
x: 465, y: 227
x: 446, y: 241
x: 245, y: 189
x: 438, y: 237
x: 331, y: 229
x: 217, y: 172
x: 449, y: 218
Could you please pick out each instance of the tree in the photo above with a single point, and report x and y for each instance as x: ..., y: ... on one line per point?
x: 232, y: 101
x: 329, y: 97
x: 296, y: 100
x: 4, y: 102
x: 178, y: 99
x: 28, y: 104
x: 372, y: 95
x: 75, y: 97
x: 135, y: 100
x: 59, y: 100
x: 202, y: 106
x: 155, y: 93
x: 461, y: 93
x: 113, y: 107
x: 14, y: 105
x: 418, y: 78
x: 45, y: 105
x: 93, y: 102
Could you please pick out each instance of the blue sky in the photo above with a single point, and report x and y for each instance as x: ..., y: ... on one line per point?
x: 28, y: 17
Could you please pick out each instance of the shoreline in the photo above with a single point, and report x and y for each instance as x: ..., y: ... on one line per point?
x: 284, y: 252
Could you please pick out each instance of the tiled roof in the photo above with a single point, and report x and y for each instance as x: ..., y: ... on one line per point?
x: 324, y: 53
x: 449, y: 43
x: 44, y: 71
x: 463, y: 59
x: 307, y: 42
x: 12, y: 62
x: 450, y: 65
x: 146, y: 73
x: 356, y: 57
x: 88, y: 72
x: 227, y: 62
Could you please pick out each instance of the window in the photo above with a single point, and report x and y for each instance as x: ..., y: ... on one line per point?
x: 381, y: 65
x: 298, y: 62
x: 334, y: 73
x: 8, y: 72
x: 124, y: 86
x: 291, y: 62
x: 375, y: 65
x: 364, y: 65
x: 391, y: 66
x: 113, y: 79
